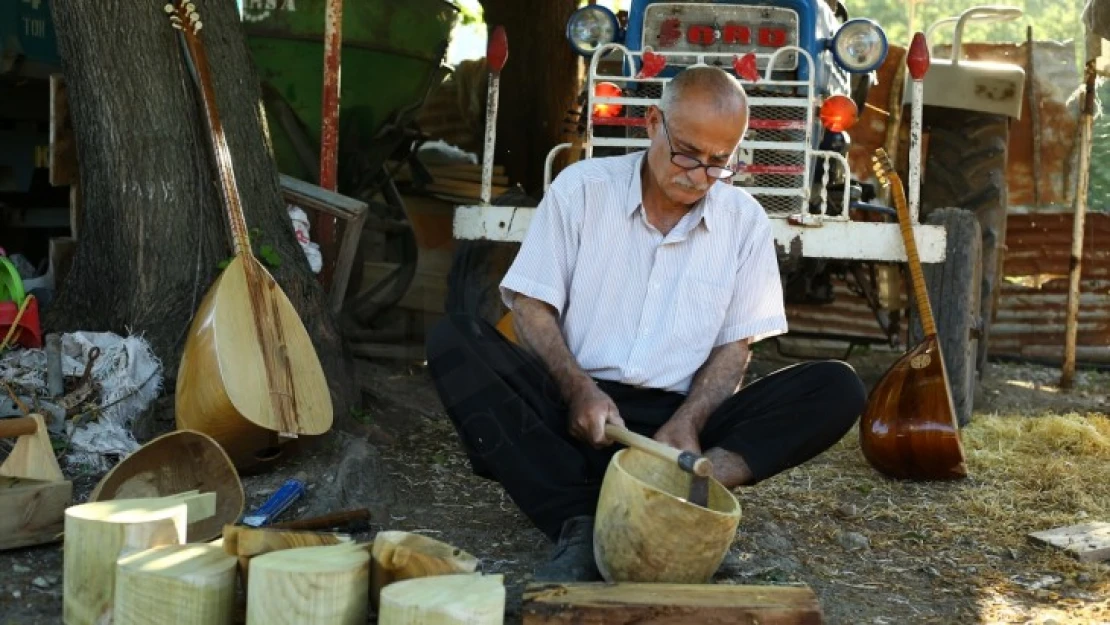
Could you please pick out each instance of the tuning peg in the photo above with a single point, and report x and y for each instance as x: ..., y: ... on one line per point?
x: 197, y: 27
x: 168, y: 8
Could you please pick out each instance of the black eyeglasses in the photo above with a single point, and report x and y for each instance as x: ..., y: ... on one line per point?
x: 690, y: 163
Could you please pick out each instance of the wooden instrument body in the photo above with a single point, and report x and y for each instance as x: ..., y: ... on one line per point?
x: 900, y: 434
x: 229, y: 389
x: 646, y: 531
x: 201, y: 464
x: 249, y: 369
x: 908, y: 428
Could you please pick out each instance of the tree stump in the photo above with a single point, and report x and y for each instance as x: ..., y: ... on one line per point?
x: 444, y: 600
x: 176, y: 585
x: 98, y: 534
x: 309, y: 585
x: 402, y: 555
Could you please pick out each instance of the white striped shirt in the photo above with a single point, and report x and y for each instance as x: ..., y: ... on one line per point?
x: 638, y: 307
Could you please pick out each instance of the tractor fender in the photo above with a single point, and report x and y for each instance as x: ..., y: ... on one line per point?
x: 980, y: 86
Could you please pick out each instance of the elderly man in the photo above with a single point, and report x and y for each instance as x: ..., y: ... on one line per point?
x: 636, y: 295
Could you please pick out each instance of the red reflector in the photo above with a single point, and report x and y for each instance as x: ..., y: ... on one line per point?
x: 607, y: 90
x: 839, y: 113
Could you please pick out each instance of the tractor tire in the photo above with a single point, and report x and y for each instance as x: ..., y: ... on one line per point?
x: 475, y: 276
x: 966, y: 167
x: 954, y: 288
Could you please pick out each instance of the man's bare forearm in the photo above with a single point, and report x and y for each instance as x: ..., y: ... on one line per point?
x: 537, y: 328
x: 717, y: 380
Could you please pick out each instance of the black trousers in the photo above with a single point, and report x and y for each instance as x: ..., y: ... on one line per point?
x: 513, y: 421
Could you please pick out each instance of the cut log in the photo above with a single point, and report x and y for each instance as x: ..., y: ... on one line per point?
x: 180, y: 461
x: 176, y: 585
x: 402, y: 555
x: 98, y: 534
x: 247, y: 542
x: 444, y: 600
x: 668, y: 604
x: 309, y: 585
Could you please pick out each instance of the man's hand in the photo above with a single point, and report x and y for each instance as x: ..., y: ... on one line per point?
x: 680, y: 433
x: 590, y: 410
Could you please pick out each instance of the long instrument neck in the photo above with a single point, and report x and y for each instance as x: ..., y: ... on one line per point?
x: 232, y: 204
x: 921, y: 294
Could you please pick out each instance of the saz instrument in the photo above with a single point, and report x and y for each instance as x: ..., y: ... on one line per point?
x: 249, y: 376
x: 909, y: 428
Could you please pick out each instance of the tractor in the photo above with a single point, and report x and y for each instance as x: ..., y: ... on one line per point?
x: 807, y: 67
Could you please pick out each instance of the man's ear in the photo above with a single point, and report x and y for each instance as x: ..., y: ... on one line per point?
x: 653, y: 118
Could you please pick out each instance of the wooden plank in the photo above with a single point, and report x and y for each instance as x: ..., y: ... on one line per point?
x: 63, y: 147
x: 1088, y: 542
x: 668, y: 604
x: 34, y: 511
x: 307, y: 195
x: 354, y: 213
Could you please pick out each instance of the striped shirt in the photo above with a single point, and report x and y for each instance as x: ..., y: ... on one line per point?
x: 636, y: 306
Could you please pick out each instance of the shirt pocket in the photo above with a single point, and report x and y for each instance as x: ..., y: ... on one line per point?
x: 700, y: 312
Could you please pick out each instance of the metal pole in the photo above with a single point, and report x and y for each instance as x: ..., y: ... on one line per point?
x: 497, y: 52
x: 917, y: 62
x: 329, y: 131
x: 1083, y: 180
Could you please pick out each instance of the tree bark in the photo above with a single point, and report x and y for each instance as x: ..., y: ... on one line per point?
x: 153, y: 228
x: 538, y: 85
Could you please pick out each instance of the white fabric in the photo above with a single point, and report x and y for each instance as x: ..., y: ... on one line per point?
x: 637, y: 307
x: 129, y: 376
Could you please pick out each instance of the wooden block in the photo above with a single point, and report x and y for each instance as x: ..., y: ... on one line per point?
x: 40, y: 511
x: 63, y: 147
x: 310, y: 585
x: 398, y: 556
x: 668, y: 604
x: 444, y: 600
x: 175, y: 585
x: 1088, y: 542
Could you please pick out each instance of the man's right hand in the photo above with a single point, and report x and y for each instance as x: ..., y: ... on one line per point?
x: 590, y: 410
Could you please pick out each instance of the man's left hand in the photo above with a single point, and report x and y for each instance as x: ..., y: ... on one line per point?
x: 679, y: 433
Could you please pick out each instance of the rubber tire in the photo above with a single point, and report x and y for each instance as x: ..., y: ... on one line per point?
x: 966, y: 167
x: 955, y: 298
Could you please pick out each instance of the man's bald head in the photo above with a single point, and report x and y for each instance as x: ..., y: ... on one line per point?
x: 705, y: 83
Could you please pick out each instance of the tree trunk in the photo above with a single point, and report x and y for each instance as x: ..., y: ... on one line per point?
x: 153, y: 229
x: 538, y: 85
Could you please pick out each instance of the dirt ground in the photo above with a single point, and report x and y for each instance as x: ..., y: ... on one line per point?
x: 875, y: 551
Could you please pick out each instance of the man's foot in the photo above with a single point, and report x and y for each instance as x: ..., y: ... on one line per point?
x: 572, y: 560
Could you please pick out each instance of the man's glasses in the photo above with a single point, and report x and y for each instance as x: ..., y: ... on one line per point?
x: 690, y: 163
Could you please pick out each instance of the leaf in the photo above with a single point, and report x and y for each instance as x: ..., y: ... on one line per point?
x: 224, y: 263
x: 269, y: 256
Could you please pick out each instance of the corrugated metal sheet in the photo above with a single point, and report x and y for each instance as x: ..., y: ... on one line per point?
x: 1032, y: 307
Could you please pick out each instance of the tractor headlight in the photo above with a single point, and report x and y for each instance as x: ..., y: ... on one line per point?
x: 859, y: 46
x: 591, y: 27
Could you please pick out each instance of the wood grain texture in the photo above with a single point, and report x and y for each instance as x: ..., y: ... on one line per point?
x: 668, y: 604
x: 444, y: 600
x: 176, y: 585
x: 33, y: 511
x: 908, y: 428
x: 646, y: 531
x: 229, y: 389
x: 397, y: 556
x: 248, y: 542
x: 173, y: 463
x: 310, y: 585
x: 97, y: 534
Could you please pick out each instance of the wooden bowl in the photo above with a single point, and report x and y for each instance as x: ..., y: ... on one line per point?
x: 173, y: 463
x: 646, y: 531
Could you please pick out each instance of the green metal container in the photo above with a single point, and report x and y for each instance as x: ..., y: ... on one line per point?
x: 392, y: 52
